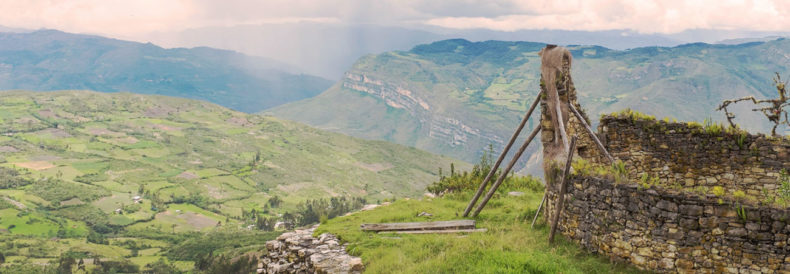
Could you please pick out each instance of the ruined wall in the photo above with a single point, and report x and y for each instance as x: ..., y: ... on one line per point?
x: 677, y: 223
x: 695, y: 158
x: 300, y: 252
x: 668, y: 230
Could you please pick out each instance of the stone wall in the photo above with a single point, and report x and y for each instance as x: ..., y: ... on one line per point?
x: 300, y: 252
x: 670, y: 230
x: 693, y: 157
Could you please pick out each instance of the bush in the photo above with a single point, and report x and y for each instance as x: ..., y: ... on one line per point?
x: 160, y: 267
x: 10, y: 178
x: 784, y: 186
x: 124, y: 266
x: 470, y: 181
x: 718, y: 191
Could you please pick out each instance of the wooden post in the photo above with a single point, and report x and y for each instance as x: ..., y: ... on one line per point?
x: 592, y: 134
x: 501, y: 157
x: 563, y: 182
x: 506, y: 171
x: 561, y: 122
x: 538, y: 212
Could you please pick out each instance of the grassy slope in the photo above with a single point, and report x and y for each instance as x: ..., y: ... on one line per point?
x: 509, y: 246
x: 489, y: 85
x: 116, y: 144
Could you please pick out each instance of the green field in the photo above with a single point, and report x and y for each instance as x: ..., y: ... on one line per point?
x: 80, y: 170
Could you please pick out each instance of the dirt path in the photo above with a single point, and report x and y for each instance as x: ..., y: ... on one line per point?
x: 16, y: 203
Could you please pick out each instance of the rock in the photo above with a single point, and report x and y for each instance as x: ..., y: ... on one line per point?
x: 736, y: 232
x: 666, y: 263
x: 368, y: 207
x: 424, y: 214
x: 638, y: 259
x: 429, y: 195
x: 300, y: 252
x: 515, y: 193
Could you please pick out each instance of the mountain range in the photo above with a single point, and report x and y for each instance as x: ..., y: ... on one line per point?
x: 329, y: 49
x: 52, y: 60
x: 455, y: 97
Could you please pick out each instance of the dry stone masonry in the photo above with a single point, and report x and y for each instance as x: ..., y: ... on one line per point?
x: 689, y: 156
x: 677, y: 224
x: 675, y: 231
x: 693, y: 198
x: 300, y: 252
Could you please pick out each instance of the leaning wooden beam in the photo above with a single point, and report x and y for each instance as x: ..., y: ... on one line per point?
x: 458, y: 224
x: 501, y: 157
x: 563, y: 187
x: 538, y: 212
x: 436, y: 231
x: 561, y: 122
x: 506, y: 171
x: 592, y: 134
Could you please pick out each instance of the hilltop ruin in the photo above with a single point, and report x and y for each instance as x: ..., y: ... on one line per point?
x: 681, y: 197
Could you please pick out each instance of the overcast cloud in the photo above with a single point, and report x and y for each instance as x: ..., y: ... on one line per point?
x: 128, y: 18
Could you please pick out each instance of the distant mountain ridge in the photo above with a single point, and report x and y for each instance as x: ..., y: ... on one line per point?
x: 455, y: 97
x: 54, y: 60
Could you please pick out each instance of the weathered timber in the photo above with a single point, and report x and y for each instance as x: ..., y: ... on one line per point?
x: 506, y: 171
x: 449, y: 231
x: 561, y: 122
x: 538, y: 211
x: 439, y: 225
x: 563, y: 188
x: 501, y: 157
x: 592, y: 134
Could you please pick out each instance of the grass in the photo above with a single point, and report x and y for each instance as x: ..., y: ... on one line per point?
x: 509, y: 246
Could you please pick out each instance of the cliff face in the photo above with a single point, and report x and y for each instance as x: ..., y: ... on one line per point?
x: 436, y: 122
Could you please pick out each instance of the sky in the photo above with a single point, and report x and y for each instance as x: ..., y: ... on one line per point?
x: 130, y: 18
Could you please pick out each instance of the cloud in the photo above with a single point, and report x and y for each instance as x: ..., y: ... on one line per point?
x: 647, y: 16
x: 104, y: 16
x: 134, y: 17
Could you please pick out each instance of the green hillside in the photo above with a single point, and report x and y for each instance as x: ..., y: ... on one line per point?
x: 52, y: 60
x: 456, y: 97
x: 70, y: 159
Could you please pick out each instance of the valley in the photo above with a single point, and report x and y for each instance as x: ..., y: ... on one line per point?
x: 127, y: 176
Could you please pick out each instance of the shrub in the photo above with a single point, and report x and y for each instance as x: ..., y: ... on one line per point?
x: 619, y: 170
x: 739, y: 195
x: 718, y: 191
x: 10, y: 178
x: 470, y: 181
x: 784, y: 186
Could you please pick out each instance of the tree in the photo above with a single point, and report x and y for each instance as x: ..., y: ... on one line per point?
x: 160, y: 267
x: 96, y: 238
x: 275, y: 201
x: 65, y: 264
x: 2, y: 258
x: 774, y: 111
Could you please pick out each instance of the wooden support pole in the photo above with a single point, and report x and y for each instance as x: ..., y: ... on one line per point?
x: 592, y: 134
x: 560, y: 121
x: 506, y: 171
x: 538, y: 212
x: 563, y: 187
x: 501, y: 157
